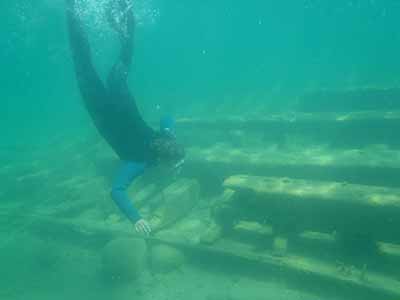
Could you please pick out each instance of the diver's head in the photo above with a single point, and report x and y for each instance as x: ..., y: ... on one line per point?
x: 165, y: 146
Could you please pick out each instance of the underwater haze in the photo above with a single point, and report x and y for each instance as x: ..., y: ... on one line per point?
x: 289, y: 112
x: 196, y: 56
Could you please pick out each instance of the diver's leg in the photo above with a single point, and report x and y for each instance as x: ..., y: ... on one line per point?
x: 122, y: 21
x: 91, y: 87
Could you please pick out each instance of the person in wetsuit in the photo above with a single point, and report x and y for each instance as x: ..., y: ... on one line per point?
x: 114, y: 111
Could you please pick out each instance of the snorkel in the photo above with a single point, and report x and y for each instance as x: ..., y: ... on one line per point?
x: 165, y: 146
x: 167, y: 126
x: 167, y: 129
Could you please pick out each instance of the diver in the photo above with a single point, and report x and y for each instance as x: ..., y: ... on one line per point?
x: 113, y: 110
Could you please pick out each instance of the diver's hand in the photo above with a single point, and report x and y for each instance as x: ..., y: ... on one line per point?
x: 177, y: 168
x: 179, y: 164
x: 143, y: 227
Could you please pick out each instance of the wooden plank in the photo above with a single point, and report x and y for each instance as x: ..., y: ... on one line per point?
x: 373, y: 157
x: 356, y: 279
x: 362, y: 280
x: 345, y: 129
x: 253, y: 228
x: 318, y: 237
x: 304, y: 190
x: 389, y: 249
x: 367, y: 98
x: 375, y: 165
x: 359, y: 214
x: 235, y: 122
x: 264, y: 230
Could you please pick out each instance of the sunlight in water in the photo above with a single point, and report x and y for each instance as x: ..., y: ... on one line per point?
x: 93, y: 12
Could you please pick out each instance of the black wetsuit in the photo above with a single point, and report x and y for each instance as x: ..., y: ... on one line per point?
x: 111, y: 106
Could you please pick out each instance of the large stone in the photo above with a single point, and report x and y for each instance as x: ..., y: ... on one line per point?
x: 124, y: 259
x: 177, y: 200
x: 166, y: 258
x: 211, y: 234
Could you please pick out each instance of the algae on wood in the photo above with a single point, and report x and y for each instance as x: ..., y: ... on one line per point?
x: 303, y: 190
x: 360, y: 215
x: 371, y: 156
x: 362, y: 280
x: 318, y: 236
x: 254, y: 228
x: 389, y: 249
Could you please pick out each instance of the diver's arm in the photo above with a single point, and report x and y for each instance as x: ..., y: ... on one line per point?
x: 126, y: 174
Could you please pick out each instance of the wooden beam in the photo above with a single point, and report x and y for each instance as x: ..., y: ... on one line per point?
x: 304, y: 190
x: 359, y: 214
x: 356, y: 280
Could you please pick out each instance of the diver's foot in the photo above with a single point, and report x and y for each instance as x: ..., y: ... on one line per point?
x: 120, y: 17
x: 70, y: 3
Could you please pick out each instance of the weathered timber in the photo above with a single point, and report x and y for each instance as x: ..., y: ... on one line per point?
x: 372, y: 157
x: 370, y: 166
x: 318, y: 236
x: 324, y: 191
x: 389, y: 249
x: 370, y: 98
x: 310, y: 243
x: 254, y: 228
x: 264, y: 231
x: 297, y: 268
x: 358, y: 213
x: 357, y: 282
x: 347, y: 129
x: 238, y: 122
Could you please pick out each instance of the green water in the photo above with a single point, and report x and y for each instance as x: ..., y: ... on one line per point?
x: 207, y: 61
x: 198, y: 55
